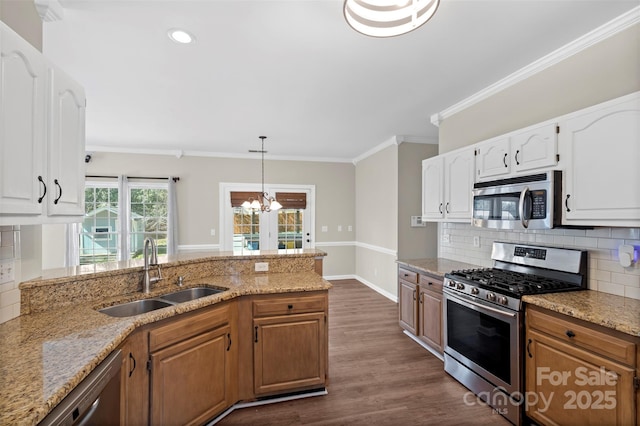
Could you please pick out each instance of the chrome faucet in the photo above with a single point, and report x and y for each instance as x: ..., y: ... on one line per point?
x: 150, y: 259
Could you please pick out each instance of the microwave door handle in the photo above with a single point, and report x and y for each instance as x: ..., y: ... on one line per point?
x: 523, y: 194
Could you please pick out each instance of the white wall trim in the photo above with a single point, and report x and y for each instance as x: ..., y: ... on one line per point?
x: 599, y: 34
x: 377, y: 248
x: 178, y: 153
x: 377, y: 289
x: 339, y: 277
x: 198, y: 247
x: 335, y: 243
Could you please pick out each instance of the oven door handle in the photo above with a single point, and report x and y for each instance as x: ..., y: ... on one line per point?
x: 488, y: 308
x: 523, y: 194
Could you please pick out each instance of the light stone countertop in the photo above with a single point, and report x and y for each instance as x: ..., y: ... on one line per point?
x: 608, y: 310
x: 43, y: 356
x: 436, y: 266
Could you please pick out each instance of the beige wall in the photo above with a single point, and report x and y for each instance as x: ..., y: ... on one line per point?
x: 198, y: 193
x: 413, y: 243
x: 22, y: 17
x: 604, y: 71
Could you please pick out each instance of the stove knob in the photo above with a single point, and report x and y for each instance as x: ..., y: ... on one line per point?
x: 452, y: 283
x: 460, y: 286
x: 491, y: 296
x: 503, y: 300
x: 474, y: 290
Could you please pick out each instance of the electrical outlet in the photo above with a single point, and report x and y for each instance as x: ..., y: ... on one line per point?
x: 6, y: 271
x: 350, y: 228
x: 445, y: 239
x: 325, y: 228
x: 213, y: 232
x: 339, y: 228
x: 476, y: 241
x: 262, y: 266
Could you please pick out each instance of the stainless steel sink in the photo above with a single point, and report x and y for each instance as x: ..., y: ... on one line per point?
x: 190, y: 294
x: 135, y: 308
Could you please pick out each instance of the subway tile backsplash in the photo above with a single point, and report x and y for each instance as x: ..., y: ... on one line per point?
x: 9, y: 292
x: 605, y: 272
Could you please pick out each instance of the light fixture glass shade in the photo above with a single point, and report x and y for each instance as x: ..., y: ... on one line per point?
x: 255, y: 204
x: 388, y: 18
x: 246, y: 204
x: 275, y: 205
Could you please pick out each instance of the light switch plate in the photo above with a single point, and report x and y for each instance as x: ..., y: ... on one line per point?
x: 262, y: 266
x: 7, y: 271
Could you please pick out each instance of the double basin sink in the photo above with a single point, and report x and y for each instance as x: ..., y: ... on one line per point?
x: 138, y: 307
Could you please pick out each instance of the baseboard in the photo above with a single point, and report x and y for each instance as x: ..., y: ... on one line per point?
x: 377, y: 289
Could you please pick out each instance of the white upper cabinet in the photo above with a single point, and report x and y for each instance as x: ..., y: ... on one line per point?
x: 493, y: 157
x: 22, y: 125
x: 535, y: 147
x: 66, y: 145
x: 447, y: 181
x: 602, y: 176
x: 42, y: 138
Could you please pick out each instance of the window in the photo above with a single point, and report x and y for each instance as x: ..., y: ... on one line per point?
x: 101, y: 235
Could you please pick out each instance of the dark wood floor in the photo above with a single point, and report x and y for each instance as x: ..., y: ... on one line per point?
x: 377, y: 375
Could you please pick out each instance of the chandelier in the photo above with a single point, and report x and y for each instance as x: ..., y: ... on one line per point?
x: 265, y: 203
x: 388, y: 18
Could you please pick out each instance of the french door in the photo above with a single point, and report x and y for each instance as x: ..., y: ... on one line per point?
x: 249, y: 230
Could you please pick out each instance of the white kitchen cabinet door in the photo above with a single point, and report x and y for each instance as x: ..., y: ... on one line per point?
x: 22, y: 125
x: 66, y: 145
x: 602, y: 177
x: 535, y: 148
x: 459, y: 167
x: 433, y: 188
x: 493, y: 158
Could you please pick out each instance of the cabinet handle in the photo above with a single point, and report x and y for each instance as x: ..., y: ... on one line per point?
x: 566, y: 202
x: 529, y: 348
x: 570, y: 334
x: 414, y: 295
x: 229, y: 337
x: 289, y: 306
x: 421, y: 296
x: 517, y: 162
x: 429, y: 283
x: 504, y: 159
x: 60, y: 188
x: 134, y: 364
x: 440, y: 208
x: 256, y: 336
x: 44, y: 187
x: 447, y: 208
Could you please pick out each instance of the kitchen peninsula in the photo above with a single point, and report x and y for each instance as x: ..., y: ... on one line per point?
x: 60, y: 336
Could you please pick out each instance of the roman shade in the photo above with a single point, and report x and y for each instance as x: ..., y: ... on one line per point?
x: 292, y: 200
x: 239, y: 197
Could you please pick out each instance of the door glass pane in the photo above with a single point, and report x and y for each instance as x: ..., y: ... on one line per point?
x: 246, y: 229
x: 290, y: 228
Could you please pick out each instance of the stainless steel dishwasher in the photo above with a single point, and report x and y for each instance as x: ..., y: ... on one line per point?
x: 95, y: 401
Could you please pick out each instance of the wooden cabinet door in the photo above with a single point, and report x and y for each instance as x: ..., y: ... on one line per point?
x: 535, y: 148
x: 66, y: 145
x: 432, y: 188
x: 190, y: 379
x: 568, y: 385
x: 407, y: 299
x: 602, y: 174
x: 289, y: 352
x: 135, y: 380
x: 493, y: 158
x: 22, y: 125
x: 430, y: 324
x: 459, y: 178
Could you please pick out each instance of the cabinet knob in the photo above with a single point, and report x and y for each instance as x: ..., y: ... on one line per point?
x: 570, y: 334
x: 290, y: 306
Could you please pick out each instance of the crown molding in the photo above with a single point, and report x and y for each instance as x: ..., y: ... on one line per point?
x: 609, y: 29
x: 49, y: 10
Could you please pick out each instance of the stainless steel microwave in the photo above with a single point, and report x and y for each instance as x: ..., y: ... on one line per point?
x: 522, y: 202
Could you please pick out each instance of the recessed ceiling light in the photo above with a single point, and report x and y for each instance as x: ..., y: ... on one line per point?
x: 180, y: 36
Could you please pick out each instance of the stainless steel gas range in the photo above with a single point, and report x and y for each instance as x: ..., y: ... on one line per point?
x: 483, y: 318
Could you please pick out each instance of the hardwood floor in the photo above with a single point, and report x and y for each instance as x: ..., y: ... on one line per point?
x: 377, y: 375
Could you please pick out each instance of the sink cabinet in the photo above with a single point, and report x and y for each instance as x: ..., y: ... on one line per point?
x: 193, y: 364
x: 586, y: 373
x: 290, y: 350
x: 135, y: 379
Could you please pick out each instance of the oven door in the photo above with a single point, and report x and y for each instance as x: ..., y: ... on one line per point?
x: 484, y: 338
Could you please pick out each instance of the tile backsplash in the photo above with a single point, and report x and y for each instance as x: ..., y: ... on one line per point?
x: 456, y: 242
x: 9, y: 292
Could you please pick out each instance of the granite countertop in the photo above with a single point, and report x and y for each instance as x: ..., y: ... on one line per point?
x: 436, y: 266
x: 43, y: 356
x: 608, y: 310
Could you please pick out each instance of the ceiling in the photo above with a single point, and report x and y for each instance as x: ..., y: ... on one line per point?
x: 292, y: 70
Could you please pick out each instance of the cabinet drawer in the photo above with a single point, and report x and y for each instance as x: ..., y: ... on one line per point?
x: 288, y: 305
x: 583, y: 336
x: 189, y: 326
x: 430, y: 283
x: 408, y: 275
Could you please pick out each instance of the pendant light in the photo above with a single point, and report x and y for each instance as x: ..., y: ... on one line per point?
x: 388, y: 18
x: 265, y: 203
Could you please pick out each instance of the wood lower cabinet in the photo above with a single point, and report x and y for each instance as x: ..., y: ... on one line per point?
x: 192, y: 363
x: 578, y: 373
x: 290, y: 349
x: 135, y: 380
x: 420, y: 306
